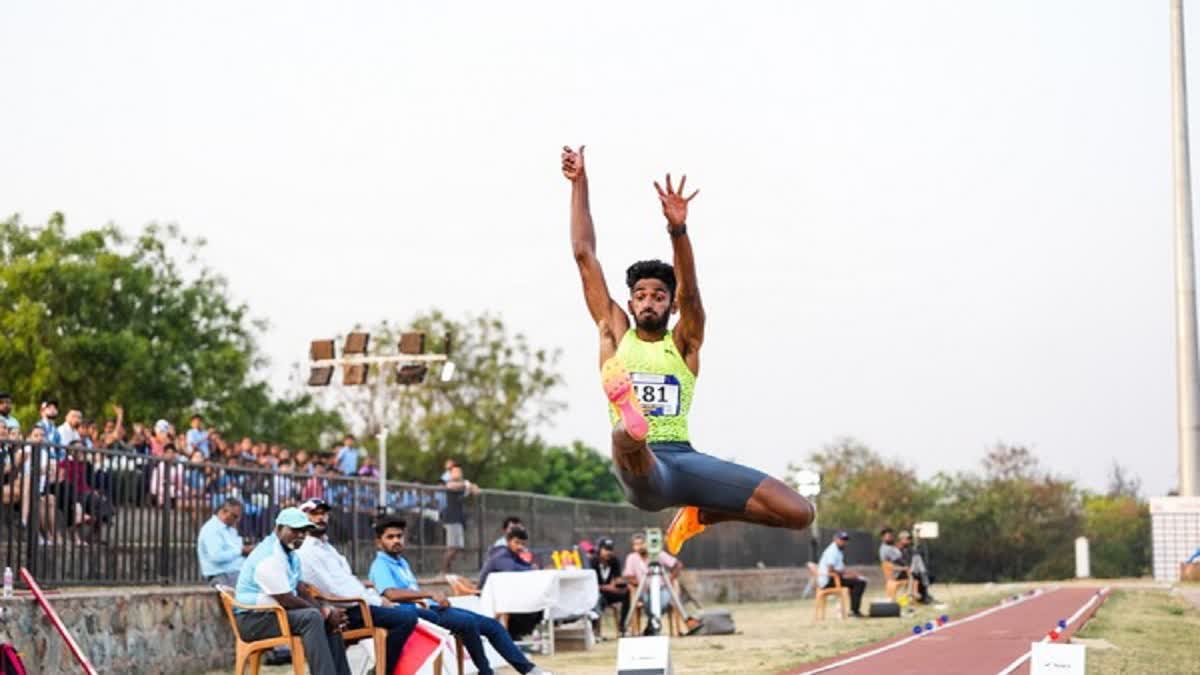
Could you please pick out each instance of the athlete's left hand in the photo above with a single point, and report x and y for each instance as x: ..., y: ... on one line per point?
x: 674, y: 204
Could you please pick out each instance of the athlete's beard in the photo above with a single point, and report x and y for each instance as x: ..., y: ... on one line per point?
x: 655, y: 324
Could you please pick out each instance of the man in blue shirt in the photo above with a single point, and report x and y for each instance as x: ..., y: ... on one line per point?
x: 197, y: 437
x: 833, y: 563
x: 271, y: 575
x: 220, y: 547
x: 48, y: 411
x: 347, y: 457
x: 6, y: 419
x: 394, y: 579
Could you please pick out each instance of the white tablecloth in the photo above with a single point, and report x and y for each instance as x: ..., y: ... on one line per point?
x: 563, y: 592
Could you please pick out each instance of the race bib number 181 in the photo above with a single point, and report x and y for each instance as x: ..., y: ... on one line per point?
x: 658, y: 394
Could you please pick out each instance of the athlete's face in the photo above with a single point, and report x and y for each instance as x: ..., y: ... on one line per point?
x: 651, y: 305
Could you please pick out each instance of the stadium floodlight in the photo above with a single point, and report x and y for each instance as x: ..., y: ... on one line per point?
x: 412, y: 343
x: 320, y: 375
x: 320, y: 350
x: 355, y: 375
x: 356, y: 343
x: 411, y: 374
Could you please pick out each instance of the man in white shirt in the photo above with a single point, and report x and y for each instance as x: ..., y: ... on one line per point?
x: 323, y: 568
x: 69, y: 431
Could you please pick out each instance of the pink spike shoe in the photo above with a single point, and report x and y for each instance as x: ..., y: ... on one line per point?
x: 619, y: 389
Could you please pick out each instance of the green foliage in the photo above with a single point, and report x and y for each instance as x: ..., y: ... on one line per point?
x: 98, y: 319
x: 578, y: 471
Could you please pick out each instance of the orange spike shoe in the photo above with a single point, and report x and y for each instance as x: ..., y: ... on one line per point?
x: 619, y: 389
x: 685, y: 525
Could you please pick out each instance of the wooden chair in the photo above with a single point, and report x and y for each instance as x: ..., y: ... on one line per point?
x: 841, y: 592
x: 892, y: 585
x: 368, y: 631
x: 252, y: 651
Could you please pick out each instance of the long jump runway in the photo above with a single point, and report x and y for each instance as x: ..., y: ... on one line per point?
x: 993, y: 640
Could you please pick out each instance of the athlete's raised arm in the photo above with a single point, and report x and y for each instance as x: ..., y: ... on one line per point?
x: 689, y: 332
x: 607, y: 314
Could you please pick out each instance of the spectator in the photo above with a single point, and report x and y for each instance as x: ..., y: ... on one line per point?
x: 394, y: 579
x: 369, y: 469
x: 914, y: 566
x: 327, y: 570
x: 47, y: 466
x: 6, y: 419
x: 508, y: 524
x: 508, y: 558
x: 68, y: 432
x: 48, y: 411
x: 450, y: 464
x: 454, y: 516
x: 887, y: 548
x: 314, y: 488
x: 87, y: 434
x: 832, y: 562
x: 219, y: 546
x: 614, y: 588
x: 198, y: 438
x: 166, y: 480
x: 161, y: 438
x: 72, y: 490
x: 271, y: 575
x: 346, y: 459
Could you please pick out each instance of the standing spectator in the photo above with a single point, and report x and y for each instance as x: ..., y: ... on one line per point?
x: 323, y: 568
x: 48, y: 411
x: 43, y: 496
x: 161, y: 439
x: 197, y: 437
x: 346, y: 459
x: 6, y: 419
x: 166, y: 481
x: 454, y: 516
x: 314, y: 488
x: 450, y: 464
x: 87, y: 434
x: 833, y: 562
x: 394, y: 579
x: 68, y: 432
x: 219, y: 546
x: 271, y: 575
x: 369, y: 469
x: 614, y: 588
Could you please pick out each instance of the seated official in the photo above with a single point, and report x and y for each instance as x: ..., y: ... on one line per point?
x: 513, y: 558
x: 323, y: 568
x: 219, y: 547
x: 394, y: 579
x: 271, y: 575
x: 614, y: 588
x: 833, y: 561
x: 914, y: 567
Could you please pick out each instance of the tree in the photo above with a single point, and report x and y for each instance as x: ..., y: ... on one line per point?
x: 99, y: 318
x: 577, y: 471
x: 862, y: 490
x: 485, y: 417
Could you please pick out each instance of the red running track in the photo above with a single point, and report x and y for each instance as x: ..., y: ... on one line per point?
x: 987, y: 644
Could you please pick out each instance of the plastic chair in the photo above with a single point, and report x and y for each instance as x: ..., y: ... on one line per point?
x: 252, y: 651
x: 841, y: 592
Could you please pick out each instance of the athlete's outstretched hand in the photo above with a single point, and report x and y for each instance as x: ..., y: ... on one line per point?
x: 674, y: 204
x: 572, y: 163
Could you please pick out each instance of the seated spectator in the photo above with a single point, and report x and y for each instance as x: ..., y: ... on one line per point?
x: 508, y: 524
x: 833, y: 561
x: 322, y: 567
x: 271, y: 575
x: 219, y: 547
x: 889, y: 553
x: 614, y: 588
x: 508, y: 558
x: 914, y: 566
x: 394, y: 579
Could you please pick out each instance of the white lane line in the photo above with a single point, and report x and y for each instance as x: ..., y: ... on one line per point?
x: 1025, y: 657
x: 901, y: 643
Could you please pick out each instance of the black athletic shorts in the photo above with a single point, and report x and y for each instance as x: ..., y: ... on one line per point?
x: 684, y: 477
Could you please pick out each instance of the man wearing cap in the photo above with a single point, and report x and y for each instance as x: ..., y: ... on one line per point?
x: 322, y: 567
x: 614, y: 588
x: 271, y: 575
x: 833, y: 562
x: 6, y: 419
x: 219, y: 547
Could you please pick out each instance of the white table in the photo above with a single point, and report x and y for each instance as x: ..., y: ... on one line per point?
x: 558, y: 593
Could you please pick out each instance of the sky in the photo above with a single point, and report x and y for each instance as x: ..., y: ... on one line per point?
x: 932, y: 226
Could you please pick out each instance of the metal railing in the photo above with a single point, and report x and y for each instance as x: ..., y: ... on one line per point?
x: 77, y: 516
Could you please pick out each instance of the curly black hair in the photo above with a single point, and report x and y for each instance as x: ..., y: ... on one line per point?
x: 651, y: 269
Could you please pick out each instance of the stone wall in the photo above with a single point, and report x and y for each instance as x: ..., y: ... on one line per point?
x: 183, y: 630
x: 128, y: 631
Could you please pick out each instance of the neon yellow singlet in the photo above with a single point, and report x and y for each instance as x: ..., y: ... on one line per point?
x: 661, y: 379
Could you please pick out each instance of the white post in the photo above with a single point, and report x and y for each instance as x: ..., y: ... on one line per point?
x: 382, y: 503
x: 1083, y: 560
x: 1187, y: 371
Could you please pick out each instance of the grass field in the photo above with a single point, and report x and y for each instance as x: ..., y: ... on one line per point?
x: 1150, y: 630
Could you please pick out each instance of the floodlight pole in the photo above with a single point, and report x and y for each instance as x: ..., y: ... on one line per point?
x: 381, y: 508
x: 1187, y: 371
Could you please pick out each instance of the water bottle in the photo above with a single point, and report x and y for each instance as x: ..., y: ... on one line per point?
x: 8, y: 581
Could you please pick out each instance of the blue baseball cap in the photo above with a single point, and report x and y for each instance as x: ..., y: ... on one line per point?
x: 294, y: 518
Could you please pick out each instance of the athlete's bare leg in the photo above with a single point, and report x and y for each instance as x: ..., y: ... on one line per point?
x: 773, y: 503
x: 630, y: 455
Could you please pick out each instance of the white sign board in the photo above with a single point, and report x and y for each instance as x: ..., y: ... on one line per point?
x: 926, y: 530
x: 644, y: 655
x: 1051, y: 658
